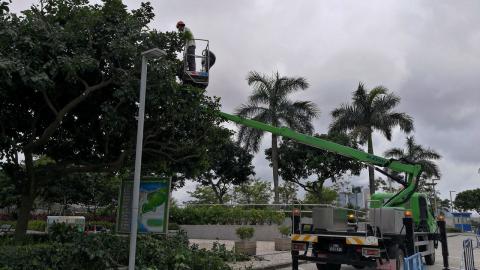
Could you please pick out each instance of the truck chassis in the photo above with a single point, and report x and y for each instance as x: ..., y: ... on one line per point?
x: 331, y: 249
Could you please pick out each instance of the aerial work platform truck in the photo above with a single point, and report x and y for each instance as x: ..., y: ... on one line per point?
x: 397, y: 224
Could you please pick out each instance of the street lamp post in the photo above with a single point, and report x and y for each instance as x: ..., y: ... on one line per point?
x: 153, y: 53
x: 451, y: 201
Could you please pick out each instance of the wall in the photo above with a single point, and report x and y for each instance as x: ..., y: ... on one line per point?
x: 227, y: 232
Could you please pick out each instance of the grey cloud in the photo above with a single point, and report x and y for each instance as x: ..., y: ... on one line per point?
x: 426, y: 52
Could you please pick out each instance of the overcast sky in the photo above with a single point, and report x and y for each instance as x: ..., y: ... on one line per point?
x: 427, y: 52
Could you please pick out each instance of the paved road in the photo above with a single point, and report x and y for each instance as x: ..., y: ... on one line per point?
x: 455, y: 249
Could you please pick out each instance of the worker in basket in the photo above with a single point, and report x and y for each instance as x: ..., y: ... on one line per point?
x: 189, y: 44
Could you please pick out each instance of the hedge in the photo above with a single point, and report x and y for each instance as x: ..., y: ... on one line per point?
x: 40, y: 225
x: 103, y: 251
x: 201, y: 215
x: 33, y: 225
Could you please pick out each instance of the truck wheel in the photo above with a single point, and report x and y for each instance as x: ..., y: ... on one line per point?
x: 430, y: 259
x: 328, y: 266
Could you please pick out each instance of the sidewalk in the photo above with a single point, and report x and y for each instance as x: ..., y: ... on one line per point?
x: 266, y: 258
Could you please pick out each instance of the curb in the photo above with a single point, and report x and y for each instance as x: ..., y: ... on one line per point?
x: 277, y: 266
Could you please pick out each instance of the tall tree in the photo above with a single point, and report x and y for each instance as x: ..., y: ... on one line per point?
x: 416, y: 153
x: 255, y: 191
x: 299, y: 162
x: 288, y: 192
x: 270, y: 103
x: 468, y: 200
x: 327, y: 196
x: 371, y: 111
x: 69, y: 75
x: 228, y: 164
x: 205, y: 195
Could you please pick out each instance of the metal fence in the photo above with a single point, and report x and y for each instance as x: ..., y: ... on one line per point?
x: 414, y: 262
x: 468, y: 262
x: 304, y: 208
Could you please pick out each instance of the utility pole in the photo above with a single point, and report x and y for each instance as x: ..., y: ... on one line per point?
x: 451, y: 201
x: 433, y: 184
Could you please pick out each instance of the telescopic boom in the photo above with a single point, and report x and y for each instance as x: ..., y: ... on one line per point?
x: 412, y: 170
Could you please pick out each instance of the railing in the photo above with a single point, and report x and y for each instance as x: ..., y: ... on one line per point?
x: 279, y: 207
x: 468, y: 262
x: 414, y: 262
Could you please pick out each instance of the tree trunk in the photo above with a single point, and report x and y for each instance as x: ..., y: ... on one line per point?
x: 371, y: 171
x: 26, y: 200
x: 275, y: 168
x: 319, y: 190
x: 216, y: 189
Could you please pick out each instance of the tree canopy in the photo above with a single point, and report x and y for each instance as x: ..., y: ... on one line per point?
x: 327, y: 196
x: 205, y: 195
x: 270, y: 103
x: 228, y: 164
x: 255, y: 191
x: 416, y: 153
x: 69, y: 80
x: 369, y: 111
x: 468, y: 200
x: 299, y: 163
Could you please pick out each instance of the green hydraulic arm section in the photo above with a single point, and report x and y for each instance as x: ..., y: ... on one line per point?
x: 412, y: 170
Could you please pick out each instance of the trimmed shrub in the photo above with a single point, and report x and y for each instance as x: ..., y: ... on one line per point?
x: 203, y: 215
x: 245, y: 233
x: 173, y: 226
x: 106, y: 224
x: 33, y: 225
x: 284, y: 230
x: 37, y: 225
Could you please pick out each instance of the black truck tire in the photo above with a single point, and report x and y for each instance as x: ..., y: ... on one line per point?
x: 328, y: 266
x: 396, y: 252
x: 430, y: 258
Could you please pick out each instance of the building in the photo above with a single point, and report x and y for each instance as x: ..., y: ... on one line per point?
x: 462, y: 221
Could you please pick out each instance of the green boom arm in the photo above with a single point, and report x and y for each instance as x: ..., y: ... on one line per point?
x: 412, y: 171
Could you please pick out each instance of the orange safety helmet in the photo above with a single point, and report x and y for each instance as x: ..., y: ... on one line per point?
x: 180, y: 23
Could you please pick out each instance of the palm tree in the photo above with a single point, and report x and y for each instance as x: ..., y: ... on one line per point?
x: 370, y: 110
x: 416, y: 153
x: 269, y: 103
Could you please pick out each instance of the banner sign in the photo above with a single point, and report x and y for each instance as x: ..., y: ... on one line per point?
x: 152, y: 208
